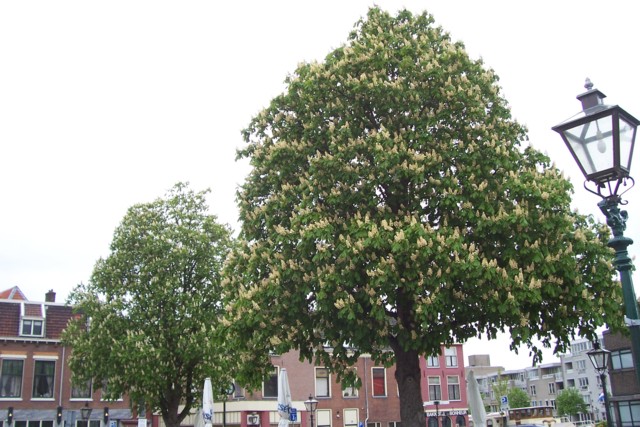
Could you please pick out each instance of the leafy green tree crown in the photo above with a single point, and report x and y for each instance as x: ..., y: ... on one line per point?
x: 392, y: 205
x: 146, y: 319
x: 570, y: 402
x: 518, y: 398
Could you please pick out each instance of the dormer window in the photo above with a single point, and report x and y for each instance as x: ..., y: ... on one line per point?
x: 32, y: 318
x: 32, y: 328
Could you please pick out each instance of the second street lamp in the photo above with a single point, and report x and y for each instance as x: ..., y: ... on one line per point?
x: 601, y: 139
x: 310, y: 405
x: 600, y: 359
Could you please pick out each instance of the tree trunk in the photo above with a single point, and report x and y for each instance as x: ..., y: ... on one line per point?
x: 171, y: 415
x: 408, y: 378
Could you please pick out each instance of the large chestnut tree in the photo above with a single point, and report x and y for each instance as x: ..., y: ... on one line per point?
x: 393, y: 207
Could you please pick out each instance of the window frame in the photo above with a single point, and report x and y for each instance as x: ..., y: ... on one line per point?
x: 451, y: 357
x: 322, y: 378
x: 375, y: 384
x: 350, y: 392
x: 434, y: 388
x: 453, y: 388
x: 271, y: 382
x: 32, y: 320
x: 433, y: 361
x: 621, y: 359
x: 85, y: 386
x: 3, y: 384
x: 38, y: 376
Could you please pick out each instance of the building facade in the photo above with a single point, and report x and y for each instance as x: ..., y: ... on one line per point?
x: 375, y: 403
x: 543, y: 383
x: 35, y: 379
x: 624, y: 388
x: 36, y: 384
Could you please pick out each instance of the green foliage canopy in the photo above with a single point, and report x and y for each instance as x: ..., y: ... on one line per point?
x: 147, y: 317
x: 518, y: 398
x: 570, y: 402
x: 392, y: 205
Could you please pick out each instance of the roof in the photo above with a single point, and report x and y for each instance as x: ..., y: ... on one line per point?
x: 13, y: 293
x: 55, y: 317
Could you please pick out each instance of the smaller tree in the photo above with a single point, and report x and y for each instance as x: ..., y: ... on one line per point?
x: 153, y: 307
x: 518, y: 398
x: 570, y: 403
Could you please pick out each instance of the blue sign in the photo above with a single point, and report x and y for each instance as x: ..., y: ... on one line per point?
x: 293, y: 414
x: 504, y: 400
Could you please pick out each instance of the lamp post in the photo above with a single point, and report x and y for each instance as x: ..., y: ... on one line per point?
x: 601, y: 139
x: 85, y: 412
x: 310, y: 405
x: 437, y: 403
x: 600, y: 359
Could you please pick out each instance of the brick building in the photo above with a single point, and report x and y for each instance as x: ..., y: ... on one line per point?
x: 375, y: 404
x: 36, y: 389
x: 624, y: 388
x: 35, y: 380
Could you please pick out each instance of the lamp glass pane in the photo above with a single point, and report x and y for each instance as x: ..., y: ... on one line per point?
x: 592, y: 144
x: 598, y: 359
x: 627, y: 137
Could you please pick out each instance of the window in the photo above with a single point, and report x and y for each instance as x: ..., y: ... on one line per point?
x: 432, y: 422
x: 446, y: 421
x: 395, y: 424
x: 453, y: 387
x: 106, y: 390
x: 33, y: 423
x: 349, y: 391
x: 31, y: 328
x: 238, y: 391
x: 379, y: 383
x: 324, y: 417
x: 350, y: 417
x: 322, y: 382
x: 552, y: 388
x: 88, y: 423
x: 583, y: 382
x: 629, y: 413
x: 451, y: 357
x: 43, y: 376
x: 81, y: 391
x: 434, y: 388
x: 581, y: 364
x: 621, y: 359
x: 460, y: 421
x: 11, y: 378
x: 532, y: 390
x: 270, y: 385
x: 433, y: 362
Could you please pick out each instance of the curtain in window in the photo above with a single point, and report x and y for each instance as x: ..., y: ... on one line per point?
x: 11, y: 378
x: 43, y: 379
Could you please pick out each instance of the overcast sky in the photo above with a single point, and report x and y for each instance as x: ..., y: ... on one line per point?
x: 108, y: 104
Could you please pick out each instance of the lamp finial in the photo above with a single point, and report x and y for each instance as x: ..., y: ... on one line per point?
x: 587, y: 84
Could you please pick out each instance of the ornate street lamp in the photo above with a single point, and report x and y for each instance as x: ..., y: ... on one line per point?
x: 85, y: 412
x: 600, y: 359
x: 310, y: 405
x: 601, y: 139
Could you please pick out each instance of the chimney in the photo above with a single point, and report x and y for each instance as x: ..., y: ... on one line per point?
x: 50, y: 296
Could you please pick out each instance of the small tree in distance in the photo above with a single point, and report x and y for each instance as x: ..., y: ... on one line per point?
x: 518, y: 398
x: 392, y: 209
x: 569, y: 402
x: 147, y: 317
